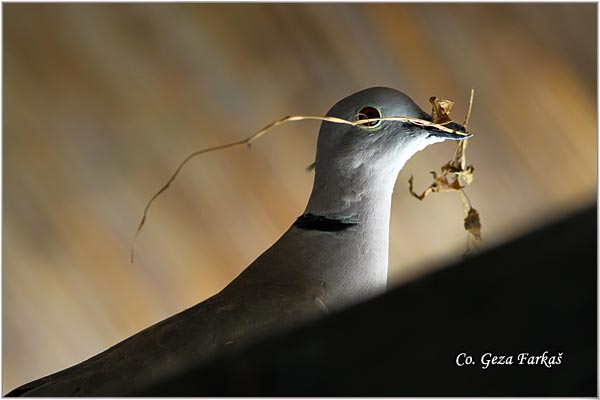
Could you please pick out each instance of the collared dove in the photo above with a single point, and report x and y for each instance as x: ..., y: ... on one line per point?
x: 333, y: 255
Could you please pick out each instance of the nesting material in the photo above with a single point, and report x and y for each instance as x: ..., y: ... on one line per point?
x: 455, y: 175
x: 250, y: 139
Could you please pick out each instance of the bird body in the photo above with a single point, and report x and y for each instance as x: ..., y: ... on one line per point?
x: 335, y: 254
x: 226, y: 320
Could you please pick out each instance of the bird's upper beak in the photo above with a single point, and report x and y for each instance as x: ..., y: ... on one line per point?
x: 433, y: 131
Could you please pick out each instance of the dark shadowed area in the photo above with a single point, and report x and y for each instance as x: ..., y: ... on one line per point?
x: 101, y: 102
x: 455, y: 332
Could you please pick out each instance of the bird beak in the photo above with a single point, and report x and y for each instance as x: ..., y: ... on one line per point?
x: 435, y: 132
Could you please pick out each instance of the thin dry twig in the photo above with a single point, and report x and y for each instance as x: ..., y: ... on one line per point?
x: 248, y: 141
x: 456, y: 175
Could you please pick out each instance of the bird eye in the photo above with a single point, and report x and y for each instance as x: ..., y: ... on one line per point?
x: 368, y: 113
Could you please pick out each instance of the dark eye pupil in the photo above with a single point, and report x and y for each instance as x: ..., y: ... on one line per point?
x: 369, y: 113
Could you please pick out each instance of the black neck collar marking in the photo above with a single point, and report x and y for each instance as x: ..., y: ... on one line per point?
x: 321, y: 223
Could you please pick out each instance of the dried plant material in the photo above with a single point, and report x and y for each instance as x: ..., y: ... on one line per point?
x: 456, y: 175
x: 473, y: 225
x: 440, y: 184
x: 441, y: 109
x: 468, y: 116
x: 250, y: 139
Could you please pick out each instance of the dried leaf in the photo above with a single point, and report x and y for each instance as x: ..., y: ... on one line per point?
x: 473, y: 224
x: 455, y: 185
x: 467, y: 175
x: 451, y: 168
x: 441, y: 109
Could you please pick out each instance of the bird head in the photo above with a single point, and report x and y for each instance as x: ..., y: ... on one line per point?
x: 380, y: 145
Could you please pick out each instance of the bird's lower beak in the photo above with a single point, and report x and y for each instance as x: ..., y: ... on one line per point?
x: 459, y: 133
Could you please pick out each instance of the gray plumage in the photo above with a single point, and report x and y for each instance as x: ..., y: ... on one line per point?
x: 334, y: 256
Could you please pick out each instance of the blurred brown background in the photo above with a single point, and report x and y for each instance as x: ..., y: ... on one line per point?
x: 101, y: 101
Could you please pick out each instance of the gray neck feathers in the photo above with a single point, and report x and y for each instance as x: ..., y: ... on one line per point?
x: 354, y: 262
x: 344, y: 266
